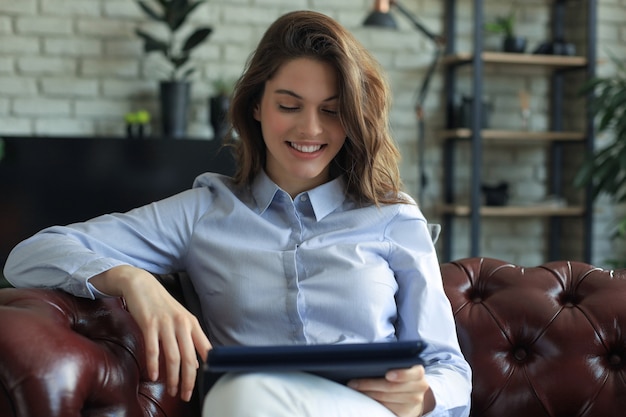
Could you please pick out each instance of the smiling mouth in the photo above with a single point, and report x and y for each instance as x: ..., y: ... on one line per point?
x: 306, y: 148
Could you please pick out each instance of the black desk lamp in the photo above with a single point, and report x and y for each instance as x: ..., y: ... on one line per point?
x: 380, y: 17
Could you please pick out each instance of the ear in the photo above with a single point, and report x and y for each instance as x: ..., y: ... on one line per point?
x: 257, y: 112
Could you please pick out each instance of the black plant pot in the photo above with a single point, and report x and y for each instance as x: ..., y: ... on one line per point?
x: 496, y: 195
x: 515, y: 44
x: 218, y: 109
x: 174, y: 108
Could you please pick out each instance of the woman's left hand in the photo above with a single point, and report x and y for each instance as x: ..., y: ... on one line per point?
x: 404, y: 391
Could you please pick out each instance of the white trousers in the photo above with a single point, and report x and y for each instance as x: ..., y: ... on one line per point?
x: 287, y: 395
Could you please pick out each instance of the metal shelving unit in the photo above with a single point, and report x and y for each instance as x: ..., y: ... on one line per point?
x: 478, y: 138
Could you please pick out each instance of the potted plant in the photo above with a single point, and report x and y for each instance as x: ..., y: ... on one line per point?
x: 219, y: 103
x: 175, y: 89
x: 505, y: 25
x: 605, y: 170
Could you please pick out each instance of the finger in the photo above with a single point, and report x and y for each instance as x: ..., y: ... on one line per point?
x: 403, y: 399
x: 201, y: 342
x: 189, y: 363
x: 151, y: 340
x: 414, y: 373
x: 171, y: 353
x: 399, y: 381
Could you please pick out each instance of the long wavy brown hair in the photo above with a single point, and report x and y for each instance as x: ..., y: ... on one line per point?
x: 369, y: 158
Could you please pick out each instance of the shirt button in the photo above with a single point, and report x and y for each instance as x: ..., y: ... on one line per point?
x: 304, y: 198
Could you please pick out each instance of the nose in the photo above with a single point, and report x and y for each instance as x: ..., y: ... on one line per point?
x: 309, y: 124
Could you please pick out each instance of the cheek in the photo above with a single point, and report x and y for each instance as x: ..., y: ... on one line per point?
x: 339, y: 134
x: 273, y: 123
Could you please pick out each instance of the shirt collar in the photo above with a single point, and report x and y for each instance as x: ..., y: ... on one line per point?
x: 324, y: 198
x: 327, y: 197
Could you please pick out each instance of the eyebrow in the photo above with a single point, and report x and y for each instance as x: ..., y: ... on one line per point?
x: 293, y: 94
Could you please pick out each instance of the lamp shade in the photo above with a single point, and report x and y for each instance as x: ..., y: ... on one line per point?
x: 381, y: 19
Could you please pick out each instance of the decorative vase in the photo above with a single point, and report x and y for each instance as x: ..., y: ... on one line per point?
x: 218, y: 109
x: 174, y: 108
x: 515, y: 44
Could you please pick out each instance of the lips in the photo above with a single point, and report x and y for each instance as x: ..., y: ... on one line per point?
x: 306, y: 148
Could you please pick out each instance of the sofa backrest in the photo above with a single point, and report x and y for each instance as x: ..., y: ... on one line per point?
x: 545, y: 341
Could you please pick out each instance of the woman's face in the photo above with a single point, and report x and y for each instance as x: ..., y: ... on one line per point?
x: 300, y: 124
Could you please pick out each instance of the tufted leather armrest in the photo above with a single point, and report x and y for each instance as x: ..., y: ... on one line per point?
x: 63, y: 356
x: 543, y: 341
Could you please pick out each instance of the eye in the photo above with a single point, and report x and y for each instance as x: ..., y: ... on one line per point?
x: 287, y: 108
x: 330, y: 112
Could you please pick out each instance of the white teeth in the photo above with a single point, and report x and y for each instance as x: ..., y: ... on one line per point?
x: 306, y: 149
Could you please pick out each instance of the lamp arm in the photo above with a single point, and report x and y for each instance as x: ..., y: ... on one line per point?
x: 421, y: 97
x: 419, y: 113
x: 439, y: 40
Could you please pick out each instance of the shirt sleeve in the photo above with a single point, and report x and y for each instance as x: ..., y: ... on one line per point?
x: 154, y: 237
x: 424, y: 312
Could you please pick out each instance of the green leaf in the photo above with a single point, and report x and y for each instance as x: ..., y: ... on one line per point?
x: 180, y: 60
x: 590, y: 86
x: 620, y: 134
x: 620, y: 226
x: 151, y: 43
x: 584, y: 176
x: 502, y: 24
x: 175, y: 14
x: 493, y: 27
x: 612, y: 104
x: 151, y: 13
x: 196, y: 38
x: 606, y: 176
x: 178, y: 12
x: 188, y: 73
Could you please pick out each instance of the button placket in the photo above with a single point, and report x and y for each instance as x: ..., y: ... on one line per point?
x: 291, y: 268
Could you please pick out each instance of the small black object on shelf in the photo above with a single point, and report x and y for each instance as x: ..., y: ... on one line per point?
x: 556, y: 47
x: 496, y: 195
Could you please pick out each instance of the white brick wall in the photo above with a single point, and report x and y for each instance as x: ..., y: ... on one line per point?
x: 75, y: 67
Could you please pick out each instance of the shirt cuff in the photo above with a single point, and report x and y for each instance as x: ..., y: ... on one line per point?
x: 452, y: 391
x: 96, y: 293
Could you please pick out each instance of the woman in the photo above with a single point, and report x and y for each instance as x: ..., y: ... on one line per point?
x: 311, y: 242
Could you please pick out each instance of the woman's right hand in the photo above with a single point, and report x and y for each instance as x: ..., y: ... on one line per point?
x: 166, y: 325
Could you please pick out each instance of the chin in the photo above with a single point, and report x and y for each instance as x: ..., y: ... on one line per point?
x: 311, y: 176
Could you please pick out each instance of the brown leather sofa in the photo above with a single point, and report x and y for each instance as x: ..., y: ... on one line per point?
x: 543, y: 341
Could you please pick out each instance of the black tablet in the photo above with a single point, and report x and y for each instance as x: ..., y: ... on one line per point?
x: 339, y: 362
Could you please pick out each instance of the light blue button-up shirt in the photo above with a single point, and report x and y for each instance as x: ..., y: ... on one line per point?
x: 269, y: 269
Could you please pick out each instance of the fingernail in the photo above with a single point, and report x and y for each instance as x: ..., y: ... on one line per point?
x: 353, y: 384
x: 392, y: 375
x: 172, y: 391
x: 187, y: 396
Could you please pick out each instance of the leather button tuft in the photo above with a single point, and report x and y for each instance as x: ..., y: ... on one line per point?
x: 570, y: 299
x: 615, y: 360
x: 520, y: 354
x: 477, y: 299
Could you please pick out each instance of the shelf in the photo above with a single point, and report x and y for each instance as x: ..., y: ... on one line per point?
x: 514, y: 211
x: 514, y: 135
x: 556, y: 61
x: 464, y: 149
